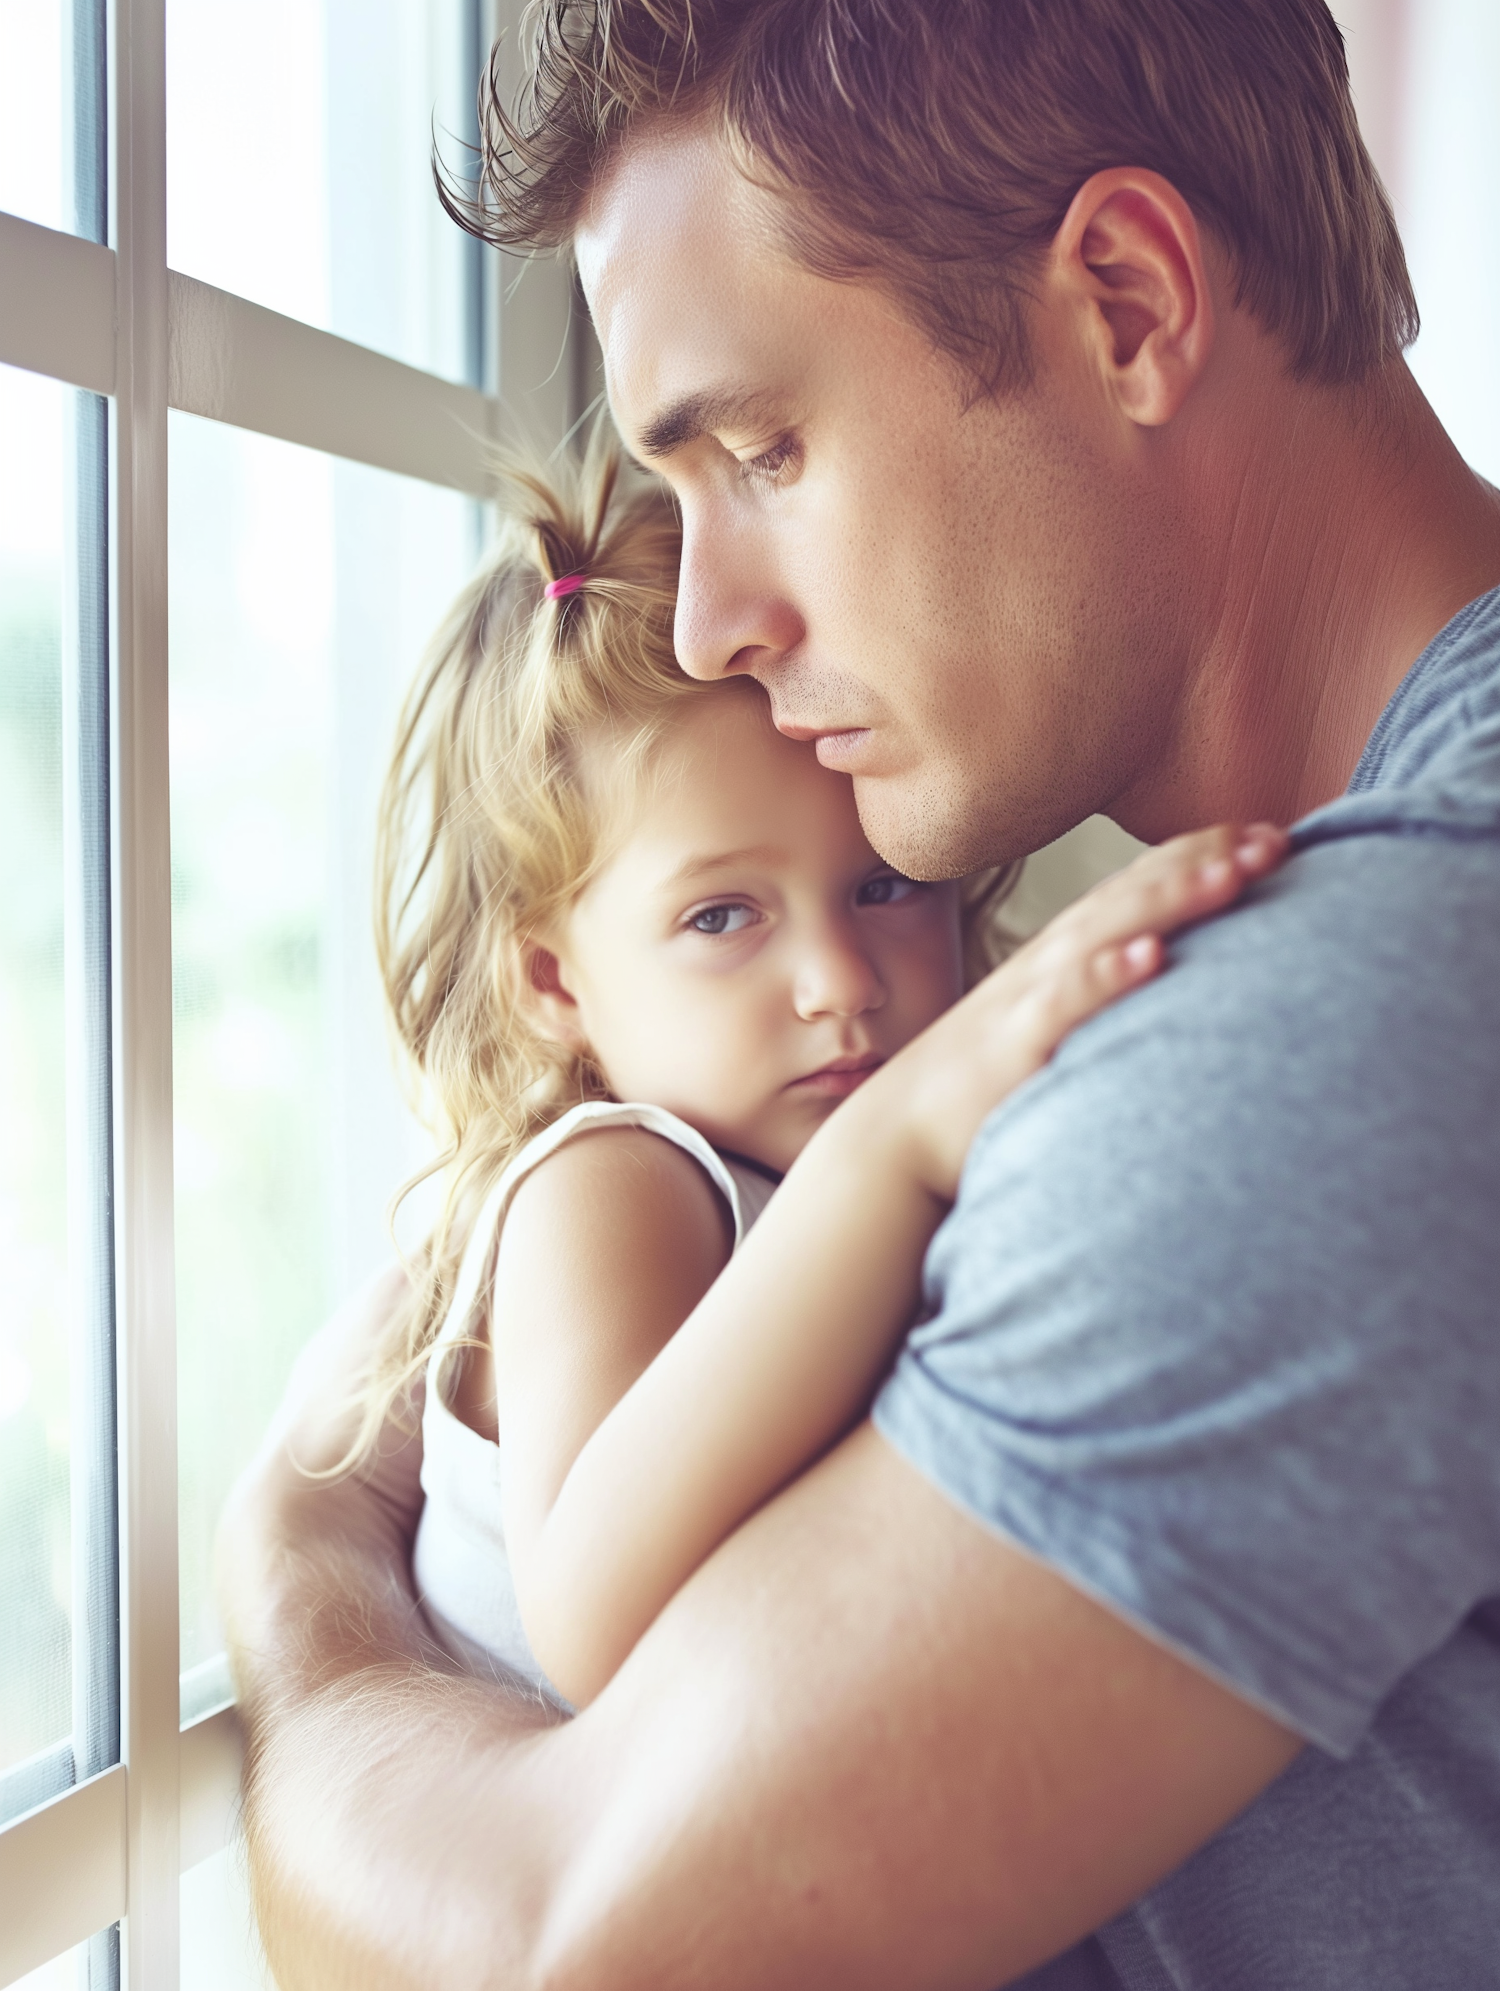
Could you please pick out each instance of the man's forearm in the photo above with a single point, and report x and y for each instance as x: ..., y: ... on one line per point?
x: 365, y: 1754
x: 869, y: 1744
x: 366, y: 1749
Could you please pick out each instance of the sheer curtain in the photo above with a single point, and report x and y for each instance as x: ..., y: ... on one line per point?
x: 1426, y: 77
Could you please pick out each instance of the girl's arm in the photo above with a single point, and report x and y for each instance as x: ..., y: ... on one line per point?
x: 784, y: 1349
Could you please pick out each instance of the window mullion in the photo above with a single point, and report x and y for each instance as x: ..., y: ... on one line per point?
x: 86, y: 959
x: 93, y: 1452
x: 143, y: 994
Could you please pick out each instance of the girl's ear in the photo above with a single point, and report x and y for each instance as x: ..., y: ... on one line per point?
x: 553, y: 1009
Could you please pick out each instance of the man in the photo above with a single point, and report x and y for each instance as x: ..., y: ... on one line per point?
x: 1029, y: 376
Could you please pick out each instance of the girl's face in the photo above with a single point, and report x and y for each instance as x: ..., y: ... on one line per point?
x: 744, y: 958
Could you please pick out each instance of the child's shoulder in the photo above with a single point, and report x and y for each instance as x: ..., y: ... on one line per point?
x: 618, y: 1190
x: 609, y: 1243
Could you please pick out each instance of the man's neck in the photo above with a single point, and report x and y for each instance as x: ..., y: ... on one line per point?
x: 1347, y: 533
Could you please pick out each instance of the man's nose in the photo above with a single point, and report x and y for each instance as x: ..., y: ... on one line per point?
x: 730, y: 616
x: 836, y: 977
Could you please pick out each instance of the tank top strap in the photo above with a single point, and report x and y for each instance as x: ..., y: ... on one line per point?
x: 590, y: 1117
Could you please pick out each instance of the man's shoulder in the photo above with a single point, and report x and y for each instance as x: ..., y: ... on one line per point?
x: 1440, y: 729
x: 1211, y: 1325
x: 1313, y: 1085
x: 1378, y: 945
x: 1383, y: 912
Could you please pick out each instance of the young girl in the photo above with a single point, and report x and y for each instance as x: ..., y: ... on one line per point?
x: 639, y: 951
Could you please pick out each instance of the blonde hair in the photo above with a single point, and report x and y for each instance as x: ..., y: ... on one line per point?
x: 488, y: 831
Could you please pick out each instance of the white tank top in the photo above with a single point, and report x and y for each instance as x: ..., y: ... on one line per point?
x: 459, y: 1561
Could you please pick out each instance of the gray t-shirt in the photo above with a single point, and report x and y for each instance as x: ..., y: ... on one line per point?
x: 1215, y: 1330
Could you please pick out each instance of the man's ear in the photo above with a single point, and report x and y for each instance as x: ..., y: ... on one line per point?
x: 549, y: 1003
x: 1129, y: 256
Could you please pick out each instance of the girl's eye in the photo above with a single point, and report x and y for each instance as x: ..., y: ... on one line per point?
x: 722, y: 919
x: 886, y: 890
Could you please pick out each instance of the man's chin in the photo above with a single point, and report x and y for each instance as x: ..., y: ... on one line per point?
x: 923, y: 831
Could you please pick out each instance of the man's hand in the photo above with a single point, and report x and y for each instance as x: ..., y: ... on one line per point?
x: 868, y: 1744
x: 361, y: 1734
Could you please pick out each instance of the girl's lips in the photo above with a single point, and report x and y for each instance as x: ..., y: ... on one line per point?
x: 839, y: 1078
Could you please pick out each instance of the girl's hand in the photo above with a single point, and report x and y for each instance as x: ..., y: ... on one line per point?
x: 940, y: 1088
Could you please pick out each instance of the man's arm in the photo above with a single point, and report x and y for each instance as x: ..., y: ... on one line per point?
x: 361, y: 1733
x: 869, y: 1744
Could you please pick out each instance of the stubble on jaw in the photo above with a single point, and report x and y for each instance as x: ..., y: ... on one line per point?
x: 1062, y: 686
x: 920, y: 840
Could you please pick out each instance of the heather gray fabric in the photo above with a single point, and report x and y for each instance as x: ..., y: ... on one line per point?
x: 1215, y: 1329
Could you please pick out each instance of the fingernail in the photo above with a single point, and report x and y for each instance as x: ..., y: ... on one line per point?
x: 1257, y: 843
x: 1141, y: 952
x: 1215, y: 872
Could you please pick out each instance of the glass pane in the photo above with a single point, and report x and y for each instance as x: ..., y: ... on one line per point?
x: 303, y: 591
x: 52, y: 66
x: 220, y: 1948
x: 297, y: 164
x: 31, y: 110
x: 35, y: 1550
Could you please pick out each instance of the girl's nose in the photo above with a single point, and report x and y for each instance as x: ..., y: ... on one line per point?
x: 837, y: 978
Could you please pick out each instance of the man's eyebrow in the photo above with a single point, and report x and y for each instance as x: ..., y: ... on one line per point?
x: 696, y: 415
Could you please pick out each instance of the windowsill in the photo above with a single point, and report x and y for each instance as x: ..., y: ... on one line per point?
x: 205, y: 1689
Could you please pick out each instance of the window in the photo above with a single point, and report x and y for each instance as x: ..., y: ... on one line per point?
x: 234, y: 496
x: 247, y: 374
x: 301, y: 591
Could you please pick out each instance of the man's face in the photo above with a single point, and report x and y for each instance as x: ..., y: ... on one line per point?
x: 968, y: 607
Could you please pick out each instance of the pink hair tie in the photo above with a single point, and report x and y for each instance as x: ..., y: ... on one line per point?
x: 568, y: 585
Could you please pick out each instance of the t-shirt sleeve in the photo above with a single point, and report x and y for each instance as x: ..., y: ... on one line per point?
x: 1214, y: 1327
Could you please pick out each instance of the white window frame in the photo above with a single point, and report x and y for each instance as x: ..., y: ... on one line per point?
x: 113, y: 319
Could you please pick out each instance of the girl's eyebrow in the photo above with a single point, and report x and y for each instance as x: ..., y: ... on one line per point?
x: 694, y: 868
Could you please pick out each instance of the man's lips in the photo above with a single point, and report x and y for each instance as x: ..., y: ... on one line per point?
x: 842, y: 751
x: 840, y: 1076
x: 836, y: 746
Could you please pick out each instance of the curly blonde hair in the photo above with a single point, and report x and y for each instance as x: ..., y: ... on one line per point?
x: 488, y: 831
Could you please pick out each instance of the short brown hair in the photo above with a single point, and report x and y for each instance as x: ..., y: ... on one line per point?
x: 934, y: 146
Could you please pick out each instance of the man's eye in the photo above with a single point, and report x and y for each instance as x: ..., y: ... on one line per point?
x: 783, y: 455
x: 886, y: 890
x: 721, y: 919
